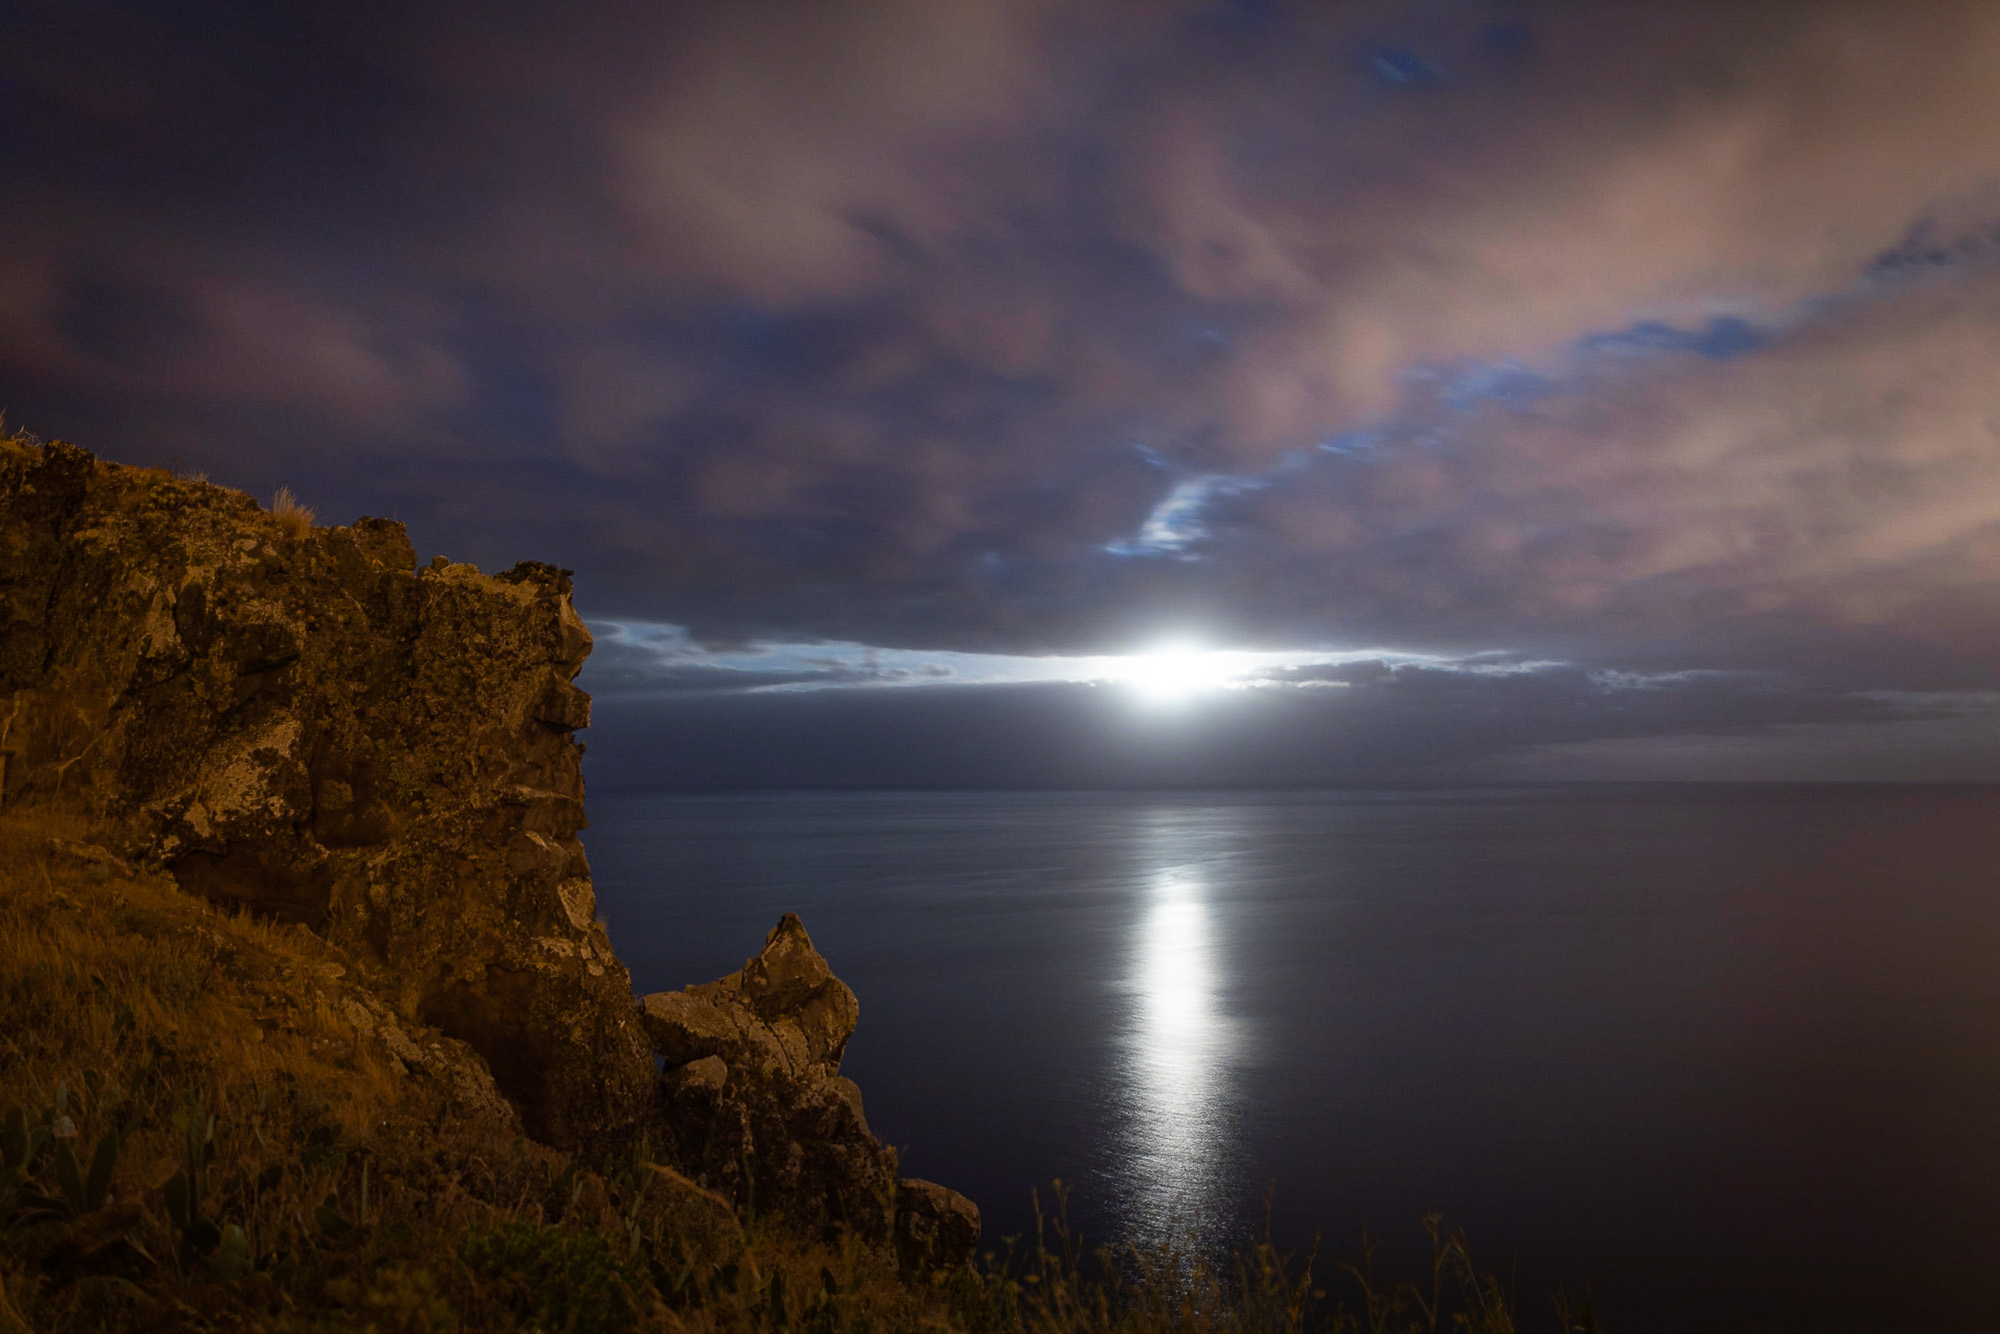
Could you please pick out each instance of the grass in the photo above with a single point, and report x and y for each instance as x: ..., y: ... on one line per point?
x: 194, y: 1136
x: 271, y: 1167
x: 296, y: 518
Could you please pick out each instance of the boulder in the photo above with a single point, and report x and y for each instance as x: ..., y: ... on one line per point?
x: 936, y: 1227
x: 299, y: 722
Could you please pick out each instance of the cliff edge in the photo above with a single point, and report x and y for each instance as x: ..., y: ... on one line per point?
x: 300, y: 723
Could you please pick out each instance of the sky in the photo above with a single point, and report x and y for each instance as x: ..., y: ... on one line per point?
x: 931, y: 392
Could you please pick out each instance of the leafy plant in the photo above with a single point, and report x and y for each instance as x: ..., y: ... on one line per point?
x: 40, y: 1177
x: 197, y: 1234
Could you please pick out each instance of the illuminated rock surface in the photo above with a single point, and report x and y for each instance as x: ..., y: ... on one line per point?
x: 757, y: 1105
x: 301, y: 722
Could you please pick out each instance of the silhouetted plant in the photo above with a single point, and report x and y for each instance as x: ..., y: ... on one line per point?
x: 40, y: 1177
x: 197, y: 1235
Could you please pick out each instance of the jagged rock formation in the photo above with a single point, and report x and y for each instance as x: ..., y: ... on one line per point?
x: 755, y: 1102
x: 757, y: 1105
x: 299, y: 720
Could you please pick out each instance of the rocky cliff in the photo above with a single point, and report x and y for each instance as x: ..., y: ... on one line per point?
x: 301, y: 722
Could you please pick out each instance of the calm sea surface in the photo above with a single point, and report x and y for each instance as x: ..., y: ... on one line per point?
x: 1729, y: 1056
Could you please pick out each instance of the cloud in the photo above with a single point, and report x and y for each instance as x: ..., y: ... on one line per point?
x: 790, y: 151
x: 654, y: 661
x: 1653, y: 335
x: 650, y: 660
x: 1847, y: 477
x: 1386, y: 724
x: 675, y: 713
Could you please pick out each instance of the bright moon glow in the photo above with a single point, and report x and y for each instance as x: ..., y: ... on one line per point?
x: 1177, y: 668
x: 1171, y: 675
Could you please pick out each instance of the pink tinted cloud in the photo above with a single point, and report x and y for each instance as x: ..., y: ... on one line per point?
x: 1849, y: 476
x: 1036, y: 237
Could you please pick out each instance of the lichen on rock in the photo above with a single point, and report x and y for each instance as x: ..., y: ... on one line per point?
x: 302, y: 723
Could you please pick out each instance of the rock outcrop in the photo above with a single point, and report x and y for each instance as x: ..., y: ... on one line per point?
x: 754, y: 1100
x: 300, y: 721
x: 756, y: 1104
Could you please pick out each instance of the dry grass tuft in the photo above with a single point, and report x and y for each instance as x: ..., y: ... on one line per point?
x: 22, y: 436
x: 286, y: 509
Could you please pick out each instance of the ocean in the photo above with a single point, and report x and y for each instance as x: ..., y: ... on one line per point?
x: 1727, y: 1056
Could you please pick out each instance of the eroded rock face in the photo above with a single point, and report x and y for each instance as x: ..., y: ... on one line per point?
x: 936, y: 1227
x: 300, y: 721
x: 784, y: 1014
x: 753, y: 1097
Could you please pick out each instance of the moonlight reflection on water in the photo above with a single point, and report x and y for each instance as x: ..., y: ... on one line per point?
x: 1726, y: 1029
x: 1179, y: 1103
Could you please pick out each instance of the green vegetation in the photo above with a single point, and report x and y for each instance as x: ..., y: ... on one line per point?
x: 200, y: 1137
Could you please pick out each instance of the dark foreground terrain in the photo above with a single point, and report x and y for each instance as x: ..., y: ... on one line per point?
x: 311, y: 1023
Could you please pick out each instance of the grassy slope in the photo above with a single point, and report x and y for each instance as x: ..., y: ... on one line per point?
x: 337, y: 1191
x: 134, y: 1010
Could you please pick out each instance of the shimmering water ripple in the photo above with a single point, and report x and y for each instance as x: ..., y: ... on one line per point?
x: 1179, y: 1096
